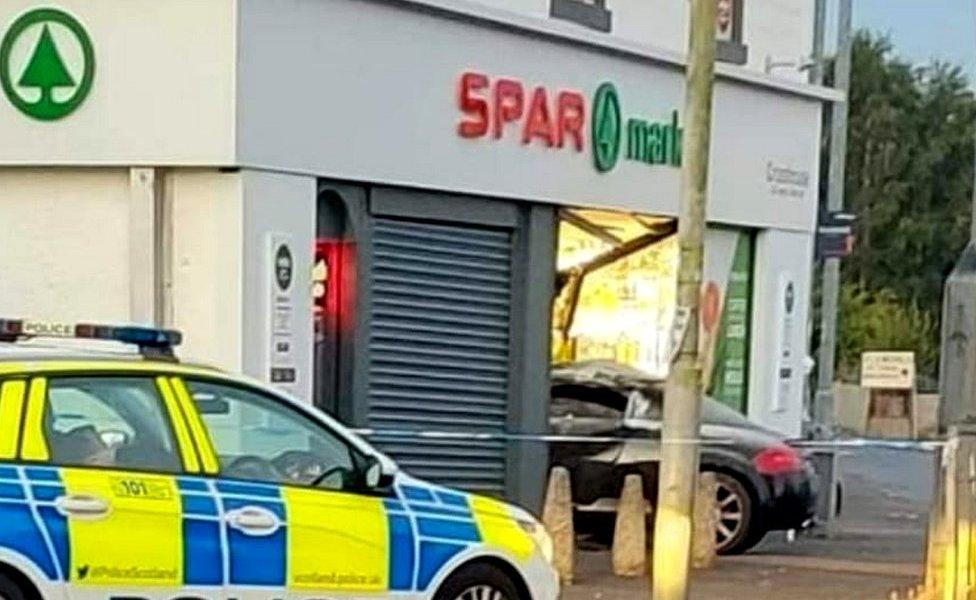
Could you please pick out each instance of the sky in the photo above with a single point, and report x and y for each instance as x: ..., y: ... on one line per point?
x: 922, y: 30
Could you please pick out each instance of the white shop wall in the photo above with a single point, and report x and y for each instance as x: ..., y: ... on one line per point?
x: 163, y: 90
x: 779, y: 338
x: 282, y: 208
x: 781, y: 29
x: 207, y: 270
x: 222, y: 225
x: 65, y: 249
x: 344, y: 118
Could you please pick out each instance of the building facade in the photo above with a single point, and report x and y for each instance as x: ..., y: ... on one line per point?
x: 368, y: 203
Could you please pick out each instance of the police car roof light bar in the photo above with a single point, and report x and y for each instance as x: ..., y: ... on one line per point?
x: 150, y: 341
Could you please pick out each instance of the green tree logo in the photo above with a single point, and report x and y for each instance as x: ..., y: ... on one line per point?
x: 606, y: 129
x: 44, y: 88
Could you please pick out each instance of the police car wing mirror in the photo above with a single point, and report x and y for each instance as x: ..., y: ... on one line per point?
x: 374, y: 476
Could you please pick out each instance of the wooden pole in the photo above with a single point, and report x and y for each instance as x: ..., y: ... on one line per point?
x: 682, y: 401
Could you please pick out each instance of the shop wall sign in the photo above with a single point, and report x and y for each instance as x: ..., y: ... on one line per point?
x: 558, y: 120
x: 786, y: 356
x: 281, y: 311
x: 787, y: 182
x: 47, y: 64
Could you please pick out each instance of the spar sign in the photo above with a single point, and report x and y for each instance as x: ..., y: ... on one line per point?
x: 505, y: 110
x: 47, y: 64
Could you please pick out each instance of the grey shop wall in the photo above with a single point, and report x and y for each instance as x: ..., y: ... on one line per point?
x: 389, y: 218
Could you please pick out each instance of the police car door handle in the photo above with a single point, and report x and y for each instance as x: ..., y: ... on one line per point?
x: 253, y: 520
x: 82, y: 506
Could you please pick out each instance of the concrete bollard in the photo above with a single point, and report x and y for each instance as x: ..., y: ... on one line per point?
x: 557, y: 517
x: 630, y: 533
x: 705, y: 522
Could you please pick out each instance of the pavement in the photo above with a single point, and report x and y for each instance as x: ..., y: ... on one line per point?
x: 735, y: 579
x: 876, y: 546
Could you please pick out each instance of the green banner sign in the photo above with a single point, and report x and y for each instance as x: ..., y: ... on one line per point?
x: 729, y: 381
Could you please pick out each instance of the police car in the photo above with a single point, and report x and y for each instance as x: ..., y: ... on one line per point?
x: 130, y: 476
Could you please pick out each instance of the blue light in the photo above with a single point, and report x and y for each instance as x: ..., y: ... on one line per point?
x: 147, y: 336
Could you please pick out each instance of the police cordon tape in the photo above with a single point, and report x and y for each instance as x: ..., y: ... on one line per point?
x: 848, y: 443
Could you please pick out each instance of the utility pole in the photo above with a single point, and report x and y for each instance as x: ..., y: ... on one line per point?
x: 824, y: 402
x: 819, y: 34
x: 682, y: 400
x: 816, y: 77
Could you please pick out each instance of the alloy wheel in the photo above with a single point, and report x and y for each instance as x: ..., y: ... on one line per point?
x: 482, y: 592
x: 731, y: 515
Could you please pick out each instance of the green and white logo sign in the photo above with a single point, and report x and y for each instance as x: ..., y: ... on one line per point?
x: 647, y: 141
x: 606, y: 128
x: 47, y: 64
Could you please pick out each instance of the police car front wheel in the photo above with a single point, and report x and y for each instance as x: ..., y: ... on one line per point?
x: 479, y: 581
x: 12, y: 589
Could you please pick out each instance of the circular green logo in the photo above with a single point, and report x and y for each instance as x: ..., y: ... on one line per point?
x: 47, y: 64
x: 606, y: 128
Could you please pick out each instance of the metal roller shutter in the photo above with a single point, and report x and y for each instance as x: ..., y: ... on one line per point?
x: 439, y: 348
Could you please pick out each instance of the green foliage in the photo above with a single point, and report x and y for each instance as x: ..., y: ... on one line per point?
x: 910, y: 166
x: 879, y: 320
x: 909, y: 181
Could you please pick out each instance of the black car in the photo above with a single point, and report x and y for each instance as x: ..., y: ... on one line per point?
x: 765, y: 484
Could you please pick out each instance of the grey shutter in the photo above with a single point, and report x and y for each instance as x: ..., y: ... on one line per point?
x: 439, y: 348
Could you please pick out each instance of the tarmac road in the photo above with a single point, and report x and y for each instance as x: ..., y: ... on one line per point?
x: 876, y: 545
x: 886, y: 498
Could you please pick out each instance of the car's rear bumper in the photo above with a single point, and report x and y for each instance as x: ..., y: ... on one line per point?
x: 791, y: 502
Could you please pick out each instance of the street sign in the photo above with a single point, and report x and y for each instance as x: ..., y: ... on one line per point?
x: 888, y: 370
x: 835, y: 235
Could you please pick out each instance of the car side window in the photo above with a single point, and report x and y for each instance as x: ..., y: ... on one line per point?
x: 114, y: 422
x: 647, y: 406
x: 260, y: 438
x: 576, y: 408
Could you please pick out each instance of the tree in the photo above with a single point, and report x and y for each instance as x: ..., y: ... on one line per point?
x: 879, y: 320
x: 909, y: 181
x: 45, y: 70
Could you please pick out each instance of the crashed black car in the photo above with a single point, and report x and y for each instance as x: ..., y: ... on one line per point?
x: 765, y: 484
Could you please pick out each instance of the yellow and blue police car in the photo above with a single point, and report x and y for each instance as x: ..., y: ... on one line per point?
x: 130, y: 476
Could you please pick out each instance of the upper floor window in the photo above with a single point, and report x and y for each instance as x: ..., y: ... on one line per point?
x: 729, y: 32
x: 589, y: 13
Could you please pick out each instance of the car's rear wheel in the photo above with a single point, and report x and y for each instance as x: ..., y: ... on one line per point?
x: 479, y: 581
x: 736, y: 530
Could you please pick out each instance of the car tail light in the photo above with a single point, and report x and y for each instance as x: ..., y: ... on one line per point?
x: 777, y: 460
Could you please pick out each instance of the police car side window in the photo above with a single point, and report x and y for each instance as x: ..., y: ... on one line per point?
x: 260, y: 438
x: 113, y: 422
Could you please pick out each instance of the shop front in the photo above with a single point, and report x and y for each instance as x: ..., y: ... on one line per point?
x: 381, y: 207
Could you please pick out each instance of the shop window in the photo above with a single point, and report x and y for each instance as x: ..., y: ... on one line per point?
x: 731, y: 48
x: 616, y: 289
x: 616, y: 297
x: 588, y: 13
